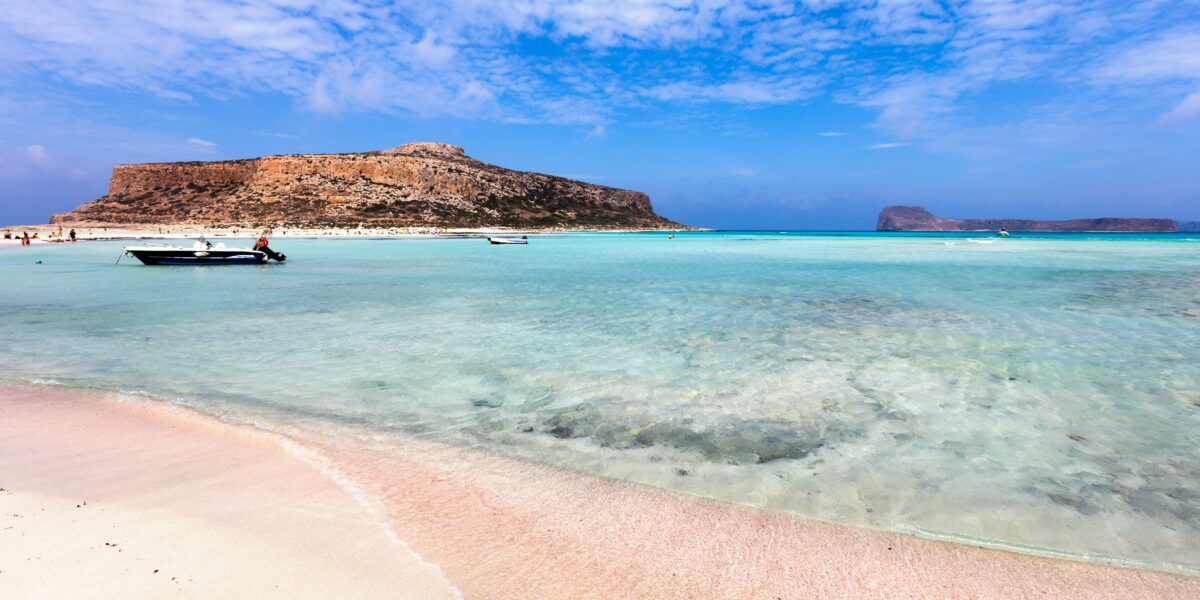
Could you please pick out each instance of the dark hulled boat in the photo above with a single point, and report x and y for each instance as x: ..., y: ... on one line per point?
x: 202, y: 254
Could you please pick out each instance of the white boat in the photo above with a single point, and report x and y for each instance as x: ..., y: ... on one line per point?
x: 500, y: 240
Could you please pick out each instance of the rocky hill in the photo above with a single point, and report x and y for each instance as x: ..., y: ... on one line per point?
x: 420, y: 184
x: 916, y: 218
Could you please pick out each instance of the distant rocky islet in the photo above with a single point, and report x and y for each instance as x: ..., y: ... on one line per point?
x: 916, y: 218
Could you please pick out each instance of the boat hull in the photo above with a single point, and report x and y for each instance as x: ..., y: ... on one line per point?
x: 199, y: 257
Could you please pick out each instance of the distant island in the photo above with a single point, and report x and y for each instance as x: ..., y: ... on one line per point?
x: 916, y: 218
x: 415, y: 185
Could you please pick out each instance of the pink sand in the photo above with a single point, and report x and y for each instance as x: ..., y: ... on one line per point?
x: 117, y: 500
x: 501, y: 528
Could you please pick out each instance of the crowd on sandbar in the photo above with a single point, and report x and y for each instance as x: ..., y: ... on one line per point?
x: 53, y: 236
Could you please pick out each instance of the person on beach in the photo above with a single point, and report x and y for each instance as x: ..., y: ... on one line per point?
x: 25, y: 238
x: 72, y: 234
x: 7, y: 234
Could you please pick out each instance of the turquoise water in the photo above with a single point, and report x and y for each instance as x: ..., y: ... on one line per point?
x: 1040, y: 391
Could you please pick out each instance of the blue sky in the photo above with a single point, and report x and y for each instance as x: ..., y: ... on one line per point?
x: 805, y: 115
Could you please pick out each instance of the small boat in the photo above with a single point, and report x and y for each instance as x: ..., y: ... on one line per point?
x: 1002, y: 233
x: 500, y: 240
x: 201, y: 254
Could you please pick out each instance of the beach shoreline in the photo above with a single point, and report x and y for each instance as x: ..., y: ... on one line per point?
x: 495, y: 526
x: 109, y: 231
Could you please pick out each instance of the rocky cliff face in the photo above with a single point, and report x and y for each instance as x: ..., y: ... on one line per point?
x: 420, y: 184
x: 916, y: 218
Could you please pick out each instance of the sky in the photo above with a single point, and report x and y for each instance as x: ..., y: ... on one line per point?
x: 735, y: 115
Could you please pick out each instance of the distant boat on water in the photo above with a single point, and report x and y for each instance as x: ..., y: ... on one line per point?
x: 500, y: 240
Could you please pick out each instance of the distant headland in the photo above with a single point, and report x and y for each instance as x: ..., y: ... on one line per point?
x: 415, y: 185
x: 916, y: 218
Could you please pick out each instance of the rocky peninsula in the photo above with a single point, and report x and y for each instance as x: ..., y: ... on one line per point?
x: 916, y: 218
x: 421, y: 184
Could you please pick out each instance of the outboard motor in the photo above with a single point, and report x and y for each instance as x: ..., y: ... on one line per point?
x: 273, y: 255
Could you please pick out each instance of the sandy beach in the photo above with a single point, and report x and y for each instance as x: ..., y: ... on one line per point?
x: 136, y: 498
x: 117, y: 500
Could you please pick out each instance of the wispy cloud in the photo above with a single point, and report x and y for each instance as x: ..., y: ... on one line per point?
x: 1167, y: 59
x: 277, y: 135
x: 1186, y: 110
x: 1171, y: 55
x: 910, y: 62
x: 201, y: 143
x: 833, y: 134
x: 886, y: 146
x: 765, y: 91
x: 36, y: 154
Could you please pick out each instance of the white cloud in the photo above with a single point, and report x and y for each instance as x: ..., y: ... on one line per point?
x: 908, y: 104
x: 767, y: 91
x: 1044, y: 41
x: 195, y: 141
x: 907, y: 21
x: 912, y: 61
x: 36, y: 154
x: 1186, y: 110
x: 886, y: 146
x: 1171, y: 56
x: 833, y: 134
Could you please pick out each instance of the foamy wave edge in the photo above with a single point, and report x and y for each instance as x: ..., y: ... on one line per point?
x: 1043, y: 552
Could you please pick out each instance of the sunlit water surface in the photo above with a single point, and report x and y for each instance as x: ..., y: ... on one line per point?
x: 1036, y: 391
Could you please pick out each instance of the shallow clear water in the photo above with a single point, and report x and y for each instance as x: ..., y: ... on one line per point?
x: 1040, y: 391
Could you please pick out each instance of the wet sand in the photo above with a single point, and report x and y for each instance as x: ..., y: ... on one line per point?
x: 496, y: 527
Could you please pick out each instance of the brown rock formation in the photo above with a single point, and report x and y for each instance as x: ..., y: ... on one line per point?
x: 916, y: 218
x: 420, y: 184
